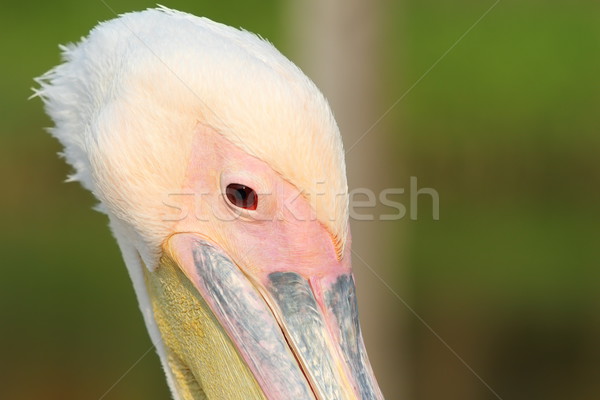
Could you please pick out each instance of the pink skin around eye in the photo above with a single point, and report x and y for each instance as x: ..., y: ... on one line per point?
x: 282, y: 234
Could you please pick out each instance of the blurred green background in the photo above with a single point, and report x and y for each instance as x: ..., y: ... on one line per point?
x: 506, y: 128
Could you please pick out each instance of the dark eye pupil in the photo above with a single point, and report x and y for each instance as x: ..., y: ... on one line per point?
x: 241, y: 196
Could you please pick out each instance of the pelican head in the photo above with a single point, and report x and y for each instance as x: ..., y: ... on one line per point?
x: 221, y: 169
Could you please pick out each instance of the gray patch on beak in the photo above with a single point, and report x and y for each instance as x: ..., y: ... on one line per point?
x: 341, y: 301
x: 249, y: 323
x: 307, y: 331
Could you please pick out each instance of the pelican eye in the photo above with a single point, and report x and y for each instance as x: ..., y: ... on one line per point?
x: 242, y: 196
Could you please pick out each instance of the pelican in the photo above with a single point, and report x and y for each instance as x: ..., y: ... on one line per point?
x: 221, y: 169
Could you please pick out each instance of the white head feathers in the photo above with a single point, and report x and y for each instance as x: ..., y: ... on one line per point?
x: 127, y: 98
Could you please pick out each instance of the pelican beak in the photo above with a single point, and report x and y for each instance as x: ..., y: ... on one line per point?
x: 233, y: 334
